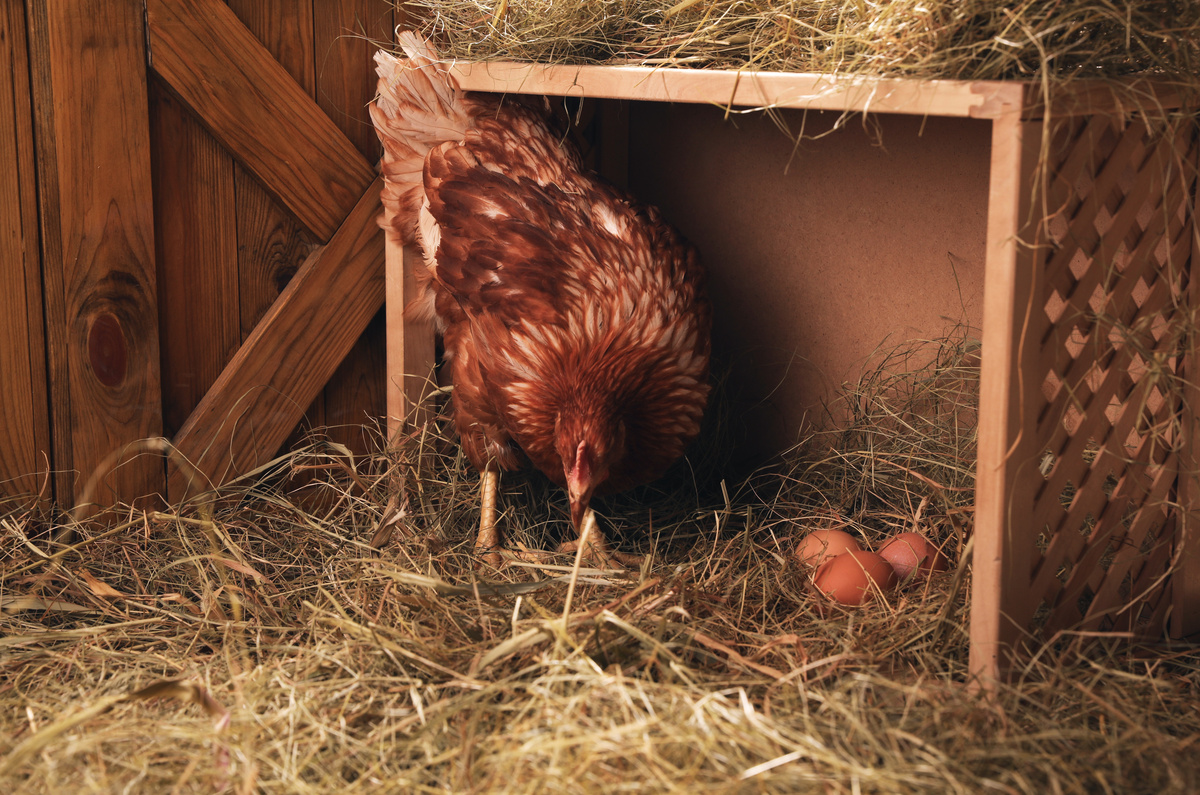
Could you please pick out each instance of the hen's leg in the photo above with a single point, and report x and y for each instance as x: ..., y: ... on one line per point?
x: 487, y: 544
x: 596, y: 547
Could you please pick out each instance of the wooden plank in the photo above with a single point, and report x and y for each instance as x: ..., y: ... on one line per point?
x: 978, y: 99
x: 24, y: 416
x: 95, y: 175
x: 410, y: 346
x: 753, y: 89
x: 285, y: 29
x: 271, y: 248
x: 272, y: 245
x: 49, y: 217
x: 257, y: 111
x: 197, y: 254
x: 346, y: 35
x: 1001, y: 562
x: 294, y: 349
x: 345, y: 40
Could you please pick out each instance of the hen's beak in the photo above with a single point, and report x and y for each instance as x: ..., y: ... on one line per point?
x: 579, y: 485
x: 579, y: 506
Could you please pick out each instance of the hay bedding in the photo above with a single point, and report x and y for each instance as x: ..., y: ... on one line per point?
x: 255, y: 641
x: 959, y: 39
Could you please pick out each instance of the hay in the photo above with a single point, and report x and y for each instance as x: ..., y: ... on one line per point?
x: 254, y: 641
x: 971, y: 40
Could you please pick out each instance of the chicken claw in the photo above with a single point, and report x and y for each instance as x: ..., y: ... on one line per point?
x: 596, y: 548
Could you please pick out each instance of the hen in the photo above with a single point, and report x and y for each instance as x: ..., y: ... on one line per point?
x: 574, y: 319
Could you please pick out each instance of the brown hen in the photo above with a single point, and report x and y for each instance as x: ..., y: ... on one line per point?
x: 574, y: 319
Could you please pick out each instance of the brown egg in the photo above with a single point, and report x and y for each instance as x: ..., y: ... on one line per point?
x: 853, y: 577
x: 820, y: 545
x: 911, y: 554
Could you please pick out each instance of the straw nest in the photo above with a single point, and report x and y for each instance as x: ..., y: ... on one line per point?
x: 969, y: 40
x: 255, y: 640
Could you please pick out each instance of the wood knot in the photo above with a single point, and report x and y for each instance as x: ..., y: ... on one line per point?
x: 107, y: 352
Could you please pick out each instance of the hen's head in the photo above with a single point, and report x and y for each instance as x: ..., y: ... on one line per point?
x: 589, y: 446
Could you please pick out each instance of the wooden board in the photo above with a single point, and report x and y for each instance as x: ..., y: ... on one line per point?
x: 410, y: 348
x: 197, y: 255
x: 289, y: 357
x: 272, y: 244
x: 346, y: 36
x: 1002, y: 564
x: 24, y: 421
x: 257, y: 111
x: 976, y: 99
x: 96, y: 199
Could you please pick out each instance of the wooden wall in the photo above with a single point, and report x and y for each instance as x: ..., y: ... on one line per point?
x: 226, y: 246
x: 139, y: 251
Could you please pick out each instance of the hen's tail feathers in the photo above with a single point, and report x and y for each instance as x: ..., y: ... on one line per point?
x: 418, y: 106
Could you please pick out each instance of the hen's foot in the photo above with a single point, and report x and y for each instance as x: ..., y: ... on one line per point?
x: 602, y: 556
x: 596, y: 549
x: 487, y: 543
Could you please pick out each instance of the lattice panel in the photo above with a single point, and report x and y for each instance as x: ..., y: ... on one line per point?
x: 1109, y: 348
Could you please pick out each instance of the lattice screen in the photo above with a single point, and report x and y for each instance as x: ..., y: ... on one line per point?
x: 1110, y: 349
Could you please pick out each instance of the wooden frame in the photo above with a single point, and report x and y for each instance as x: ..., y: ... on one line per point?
x: 1020, y: 541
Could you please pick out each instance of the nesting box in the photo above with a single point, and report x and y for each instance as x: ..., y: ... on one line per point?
x: 1073, y: 229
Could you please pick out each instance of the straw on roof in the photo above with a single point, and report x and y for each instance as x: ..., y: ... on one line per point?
x: 970, y: 40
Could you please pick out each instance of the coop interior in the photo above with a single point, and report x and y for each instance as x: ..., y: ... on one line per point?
x: 823, y: 254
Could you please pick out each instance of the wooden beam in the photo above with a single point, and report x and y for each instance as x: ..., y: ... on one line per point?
x: 293, y: 351
x: 24, y: 418
x: 410, y: 348
x: 96, y: 202
x: 257, y: 111
x: 1003, y: 538
x: 745, y: 88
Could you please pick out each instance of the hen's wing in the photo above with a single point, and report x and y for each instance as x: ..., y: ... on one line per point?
x: 542, y: 271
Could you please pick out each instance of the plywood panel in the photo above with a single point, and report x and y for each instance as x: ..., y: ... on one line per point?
x: 102, y: 319
x: 821, y: 253
x: 24, y: 421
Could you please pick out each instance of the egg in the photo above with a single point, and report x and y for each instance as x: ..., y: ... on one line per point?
x: 820, y: 545
x: 912, y: 555
x: 854, y: 577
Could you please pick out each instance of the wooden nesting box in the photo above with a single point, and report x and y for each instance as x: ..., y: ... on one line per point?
x: 1075, y: 234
